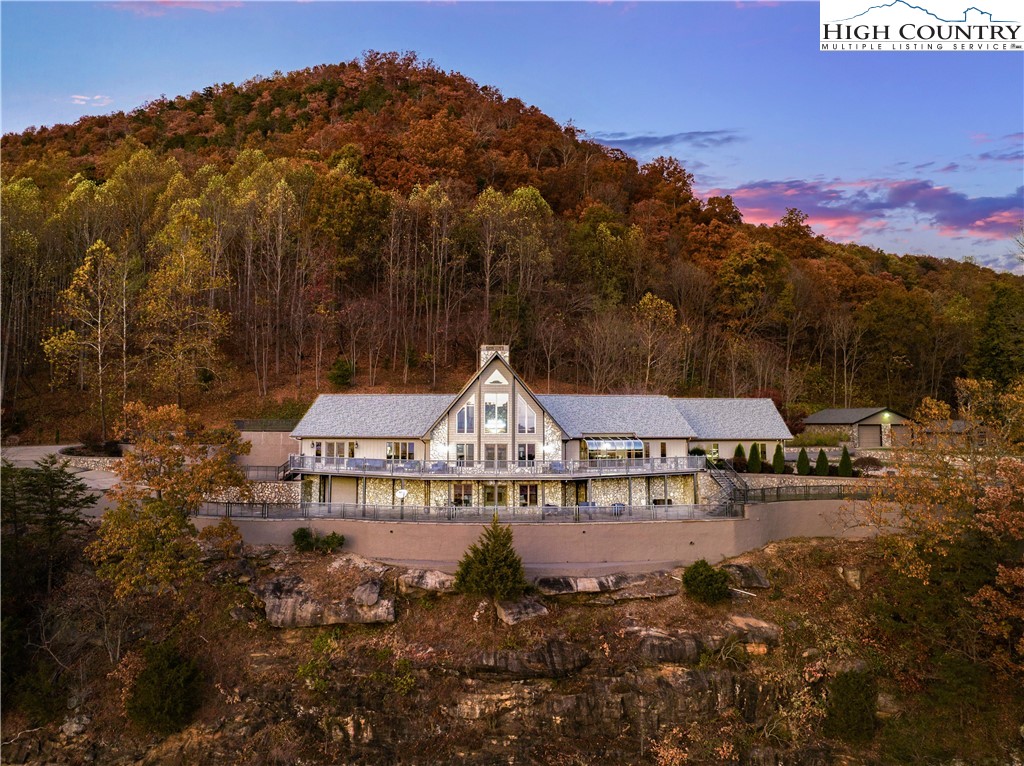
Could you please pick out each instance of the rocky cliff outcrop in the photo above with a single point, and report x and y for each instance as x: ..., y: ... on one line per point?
x: 289, y: 603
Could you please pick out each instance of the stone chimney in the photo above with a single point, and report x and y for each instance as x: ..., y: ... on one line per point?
x: 487, y: 353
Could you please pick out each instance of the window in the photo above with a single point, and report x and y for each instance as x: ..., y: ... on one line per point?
x: 664, y: 449
x: 464, y: 419
x: 764, y: 451
x: 495, y: 455
x: 495, y: 494
x: 351, y: 449
x: 527, y: 454
x: 526, y: 417
x: 714, y: 451
x: 462, y: 494
x: 527, y: 494
x: 496, y: 413
x: 318, y: 449
x: 401, y: 451
x: 463, y: 453
x: 496, y: 379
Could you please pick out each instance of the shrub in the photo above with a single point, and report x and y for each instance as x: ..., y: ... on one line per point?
x: 307, y: 541
x: 867, y: 463
x: 803, y: 463
x: 739, y: 454
x: 705, y: 583
x: 341, y: 373
x: 754, y: 461
x: 845, y: 466
x: 850, y: 708
x: 740, y: 465
x: 167, y: 692
x: 697, y: 451
x: 779, y: 459
x: 830, y: 438
x: 821, y: 464
x: 491, y: 567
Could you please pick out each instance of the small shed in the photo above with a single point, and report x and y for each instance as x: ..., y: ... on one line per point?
x: 862, y: 427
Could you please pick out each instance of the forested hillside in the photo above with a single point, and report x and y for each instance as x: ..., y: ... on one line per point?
x: 396, y: 215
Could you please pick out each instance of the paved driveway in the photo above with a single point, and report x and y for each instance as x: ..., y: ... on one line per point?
x: 97, y: 481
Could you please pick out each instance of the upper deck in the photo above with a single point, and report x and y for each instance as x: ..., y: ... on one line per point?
x: 496, y: 469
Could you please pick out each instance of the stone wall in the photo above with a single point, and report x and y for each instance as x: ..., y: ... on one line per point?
x: 109, y: 464
x: 759, y: 480
x: 265, y: 492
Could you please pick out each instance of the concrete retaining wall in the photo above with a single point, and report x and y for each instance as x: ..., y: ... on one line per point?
x: 582, y: 549
x: 268, y: 447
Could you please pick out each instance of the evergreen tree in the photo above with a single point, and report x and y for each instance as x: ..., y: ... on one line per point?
x: 779, y: 460
x: 739, y: 454
x: 803, y: 463
x: 845, y: 465
x: 821, y: 464
x: 754, y: 464
x: 491, y: 567
x: 55, y: 501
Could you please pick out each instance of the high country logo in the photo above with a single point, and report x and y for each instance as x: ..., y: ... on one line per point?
x: 941, y: 25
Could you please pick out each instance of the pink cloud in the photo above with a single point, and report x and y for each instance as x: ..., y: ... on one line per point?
x: 850, y: 209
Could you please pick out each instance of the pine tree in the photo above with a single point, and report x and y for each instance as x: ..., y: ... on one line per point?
x: 803, y: 463
x: 845, y: 465
x: 55, y: 501
x: 821, y: 464
x: 491, y: 567
x: 739, y: 454
x: 779, y: 460
x: 754, y: 464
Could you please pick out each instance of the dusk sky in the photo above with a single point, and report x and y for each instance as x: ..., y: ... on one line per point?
x: 910, y: 152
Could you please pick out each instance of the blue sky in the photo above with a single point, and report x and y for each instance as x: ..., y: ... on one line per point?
x: 910, y: 152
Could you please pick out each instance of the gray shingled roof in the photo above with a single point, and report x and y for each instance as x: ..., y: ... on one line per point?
x: 728, y: 419
x: 841, y: 416
x: 372, y: 415
x: 653, y: 417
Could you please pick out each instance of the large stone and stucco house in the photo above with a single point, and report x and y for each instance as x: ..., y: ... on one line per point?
x: 497, y: 444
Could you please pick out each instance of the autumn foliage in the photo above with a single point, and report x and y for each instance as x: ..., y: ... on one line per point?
x: 397, y: 215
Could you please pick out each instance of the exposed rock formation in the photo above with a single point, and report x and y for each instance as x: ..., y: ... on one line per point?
x: 288, y: 604
x: 426, y: 581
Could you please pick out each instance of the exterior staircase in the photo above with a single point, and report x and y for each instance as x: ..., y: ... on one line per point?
x: 733, y: 489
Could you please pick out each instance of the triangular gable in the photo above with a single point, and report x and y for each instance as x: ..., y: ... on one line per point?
x: 496, y: 366
x: 496, y: 378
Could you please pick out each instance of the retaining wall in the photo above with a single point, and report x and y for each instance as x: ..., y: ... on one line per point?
x: 581, y: 549
x: 759, y: 480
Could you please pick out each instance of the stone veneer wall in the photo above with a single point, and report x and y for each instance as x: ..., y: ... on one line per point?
x: 602, y: 491
x: 708, y: 490
x: 552, y: 439
x: 439, y: 442
x: 759, y: 480
x: 92, y: 463
x: 265, y: 492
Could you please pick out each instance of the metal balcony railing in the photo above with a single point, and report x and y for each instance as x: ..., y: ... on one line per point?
x: 437, y: 469
x: 583, y: 513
